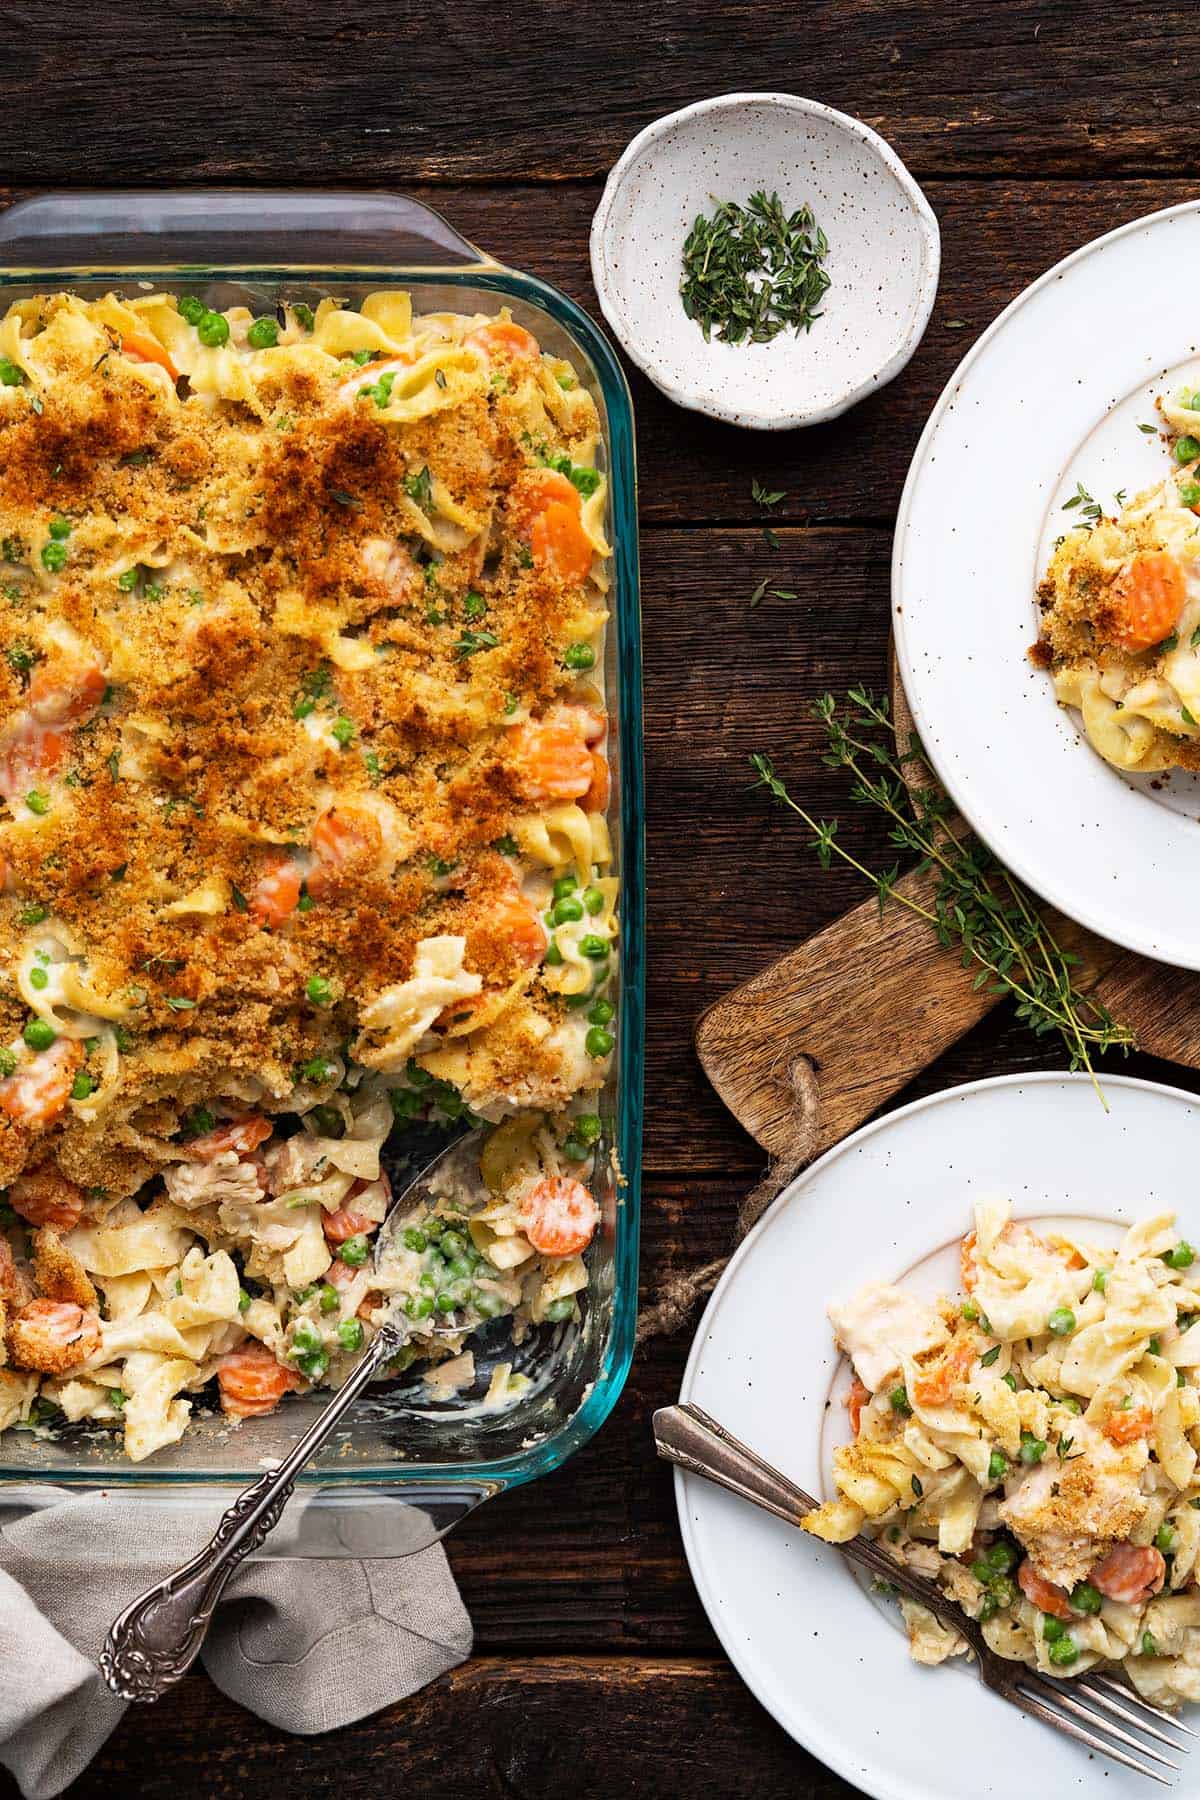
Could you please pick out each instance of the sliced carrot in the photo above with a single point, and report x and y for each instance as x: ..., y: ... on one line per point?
x: 40, y: 1089
x: 243, y: 1135
x: 504, y: 337
x: 559, y: 1216
x: 1044, y: 1595
x: 252, y: 1382
x: 345, y: 1223
x: 276, y: 893
x: 1149, y: 596
x: 934, y: 1386
x: 345, y: 837
x: 548, y: 510
x: 517, y: 919
x: 46, y: 1197
x: 147, y: 349
x: 856, y: 1399
x: 1127, y: 1425
x: 553, y: 761
x: 32, y: 754
x: 1130, y: 1573
x: 66, y: 689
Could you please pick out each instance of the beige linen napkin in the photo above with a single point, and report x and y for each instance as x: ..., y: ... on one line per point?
x: 307, y: 1645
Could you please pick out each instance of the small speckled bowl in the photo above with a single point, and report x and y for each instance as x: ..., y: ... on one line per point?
x: 883, y: 261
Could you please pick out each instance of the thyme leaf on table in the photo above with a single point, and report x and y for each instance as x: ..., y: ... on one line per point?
x: 752, y: 271
x: 977, y: 903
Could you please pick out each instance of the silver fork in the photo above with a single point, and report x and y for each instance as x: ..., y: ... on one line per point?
x: 1085, y: 1707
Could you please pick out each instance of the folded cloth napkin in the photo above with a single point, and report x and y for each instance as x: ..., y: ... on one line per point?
x: 306, y: 1645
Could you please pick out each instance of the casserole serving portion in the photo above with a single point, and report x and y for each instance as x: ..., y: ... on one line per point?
x: 313, y: 727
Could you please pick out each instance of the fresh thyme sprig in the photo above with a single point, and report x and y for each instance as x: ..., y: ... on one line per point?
x: 977, y: 902
x: 750, y: 271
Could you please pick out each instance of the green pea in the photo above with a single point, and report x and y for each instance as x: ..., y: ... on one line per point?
x: 1148, y: 1645
x: 192, y: 308
x: 474, y: 606
x: 554, y: 956
x: 433, y: 1229
x: 350, y: 1334
x: 117, y: 1396
x: 598, y: 1042
x: 60, y: 529
x: 244, y: 1300
x: 1061, y: 1321
x: 459, y: 1267
x: 419, y: 1306
x: 318, y: 990
x: 593, y: 945
x: 212, y: 328
x: 1002, y: 1555
x: 316, y: 1363
x: 1164, y: 1539
x: 1100, y: 1280
x: 1071, y: 1403
x: 38, y: 1035
x: 575, y: 1151
x: 343, y: 730
x: 1003, y: 1590
x: 566, y: 911
x: 1053, y: 1630
x: 354, y: 1252
x: 997, y: 1466
x: 486, y: 1303
x: 1186, y: 450
x: 330, y: 1299
x: 37, y: 802
x: 1064, y: 1652
x: 1032, y: 1449
x: 566, y: 884
x: 982, y: 1573
x: 579, y: 656
x: 430, y: 1282
x: 989, y: 1607
x: 445, y: 1302
x: 1085, y: 1598
x: 83, y: 1085
x: 898, y: 1399
x: 558, y: 1310
x: 1182, y: 1256
x: 602, y: 1013
x: 453, y: 1243
x: 263, y: 334
x: 1189, y: 493
x: 11, y: 373
x: 306, y: 1338
x: 587, y: 1128
x: 54, y: 556
x: 414, y: 1238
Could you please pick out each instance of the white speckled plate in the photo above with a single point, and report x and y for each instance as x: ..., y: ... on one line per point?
x: 1051, y: 394
x: 884, y: 252
x: 820, y: 1653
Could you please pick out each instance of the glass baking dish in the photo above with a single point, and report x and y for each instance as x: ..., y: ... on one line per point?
x: 400, y: 1445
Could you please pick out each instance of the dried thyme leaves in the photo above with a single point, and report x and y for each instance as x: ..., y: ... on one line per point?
x: 752, y: 271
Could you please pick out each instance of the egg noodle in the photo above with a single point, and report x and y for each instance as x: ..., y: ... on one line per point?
x: 1120, y: 605
x: 1033, y: 1449
x: 303, y: 762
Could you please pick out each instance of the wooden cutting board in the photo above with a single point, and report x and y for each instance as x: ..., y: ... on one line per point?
x: 870, y: 1002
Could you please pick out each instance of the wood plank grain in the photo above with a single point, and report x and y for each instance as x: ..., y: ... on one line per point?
x: 375, y: 95
x: 515, y: 1729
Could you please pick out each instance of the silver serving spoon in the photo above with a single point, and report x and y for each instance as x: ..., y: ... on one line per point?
x: 158, y: 1637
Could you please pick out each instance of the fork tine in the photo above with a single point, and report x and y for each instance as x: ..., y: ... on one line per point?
x: 1093, y: 1680
x: 1048, y: 1716
x: 1073, y: 1705
x: 1114, y: 1706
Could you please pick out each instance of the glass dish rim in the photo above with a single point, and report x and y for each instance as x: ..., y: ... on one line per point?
x: 491, y: 1476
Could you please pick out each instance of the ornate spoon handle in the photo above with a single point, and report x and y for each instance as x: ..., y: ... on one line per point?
x: 158, y: 1638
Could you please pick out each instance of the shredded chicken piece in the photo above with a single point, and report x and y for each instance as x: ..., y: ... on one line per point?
x: 193, y: 1184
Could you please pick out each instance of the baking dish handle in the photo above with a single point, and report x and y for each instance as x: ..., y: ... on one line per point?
x: 229, y: 228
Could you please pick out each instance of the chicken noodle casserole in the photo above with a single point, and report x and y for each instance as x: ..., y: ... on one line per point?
x: 1032, y: 1449
x: 1120, y: 605
x: 303, y: 762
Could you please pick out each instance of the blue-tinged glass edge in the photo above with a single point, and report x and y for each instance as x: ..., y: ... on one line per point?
x: 493, y: 1477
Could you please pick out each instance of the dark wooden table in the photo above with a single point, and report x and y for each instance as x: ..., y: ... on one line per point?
x: 1032, y: 127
